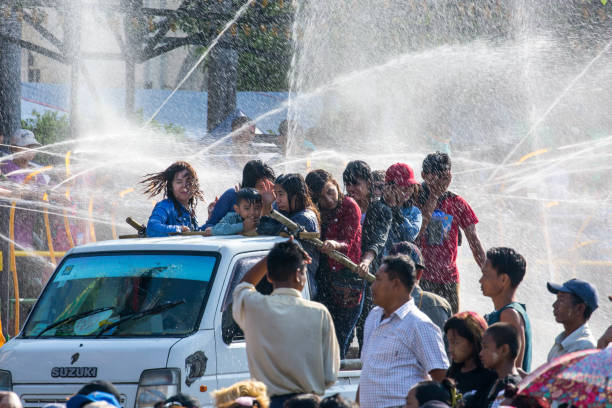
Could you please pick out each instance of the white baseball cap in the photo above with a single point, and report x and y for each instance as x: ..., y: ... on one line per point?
x: 24, y: 138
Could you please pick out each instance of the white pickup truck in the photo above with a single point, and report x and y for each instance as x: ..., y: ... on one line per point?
x: 150, y: 315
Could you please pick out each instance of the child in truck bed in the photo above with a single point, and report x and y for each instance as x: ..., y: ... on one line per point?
x: 244, y: 218
x: 176, y: 213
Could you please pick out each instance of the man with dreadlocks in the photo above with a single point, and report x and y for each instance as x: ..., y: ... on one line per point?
x: 176, y: 213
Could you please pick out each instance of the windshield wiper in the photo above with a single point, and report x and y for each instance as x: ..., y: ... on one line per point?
x: 137, y: 315
x: 73, y: 318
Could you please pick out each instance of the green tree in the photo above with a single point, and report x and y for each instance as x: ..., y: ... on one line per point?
x: 262, y: 38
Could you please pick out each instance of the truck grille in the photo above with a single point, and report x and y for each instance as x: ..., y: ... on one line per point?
x: 36, y: 401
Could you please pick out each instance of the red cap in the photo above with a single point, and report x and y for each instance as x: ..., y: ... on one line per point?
x: 400, y: 174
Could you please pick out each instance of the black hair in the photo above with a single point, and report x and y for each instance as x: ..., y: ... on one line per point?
x: 316, y: 180
x: 101, y: 386
x: 284, y: 259
x: 156, y: 183
x: 357, y: 170
x: 401, y: 267
x: 240, y: 121
x: 185, y: 400
x: 250, y: 195
x: 588, y: 311
x: 505, y: 333
x: 254, y: 171
x: 295, y: 186
x: 303, y: 401
x: 426, y: 391
x: 468, y: 328
x: 379, y: 175
x: 437, y: 162
x: 337, y: 401
x: 508, y: 261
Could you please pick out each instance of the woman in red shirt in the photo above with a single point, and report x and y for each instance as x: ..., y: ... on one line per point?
x: 341, y: 290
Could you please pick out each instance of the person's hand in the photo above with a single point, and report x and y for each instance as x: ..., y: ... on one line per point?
x: 267, y: 194
x: 249, y: 224
x: 329, y: 246
x: 605, y: 339
x: 185, y: 228
x: 364, y: 268
x: 207, y: 232
x: 211, y: 206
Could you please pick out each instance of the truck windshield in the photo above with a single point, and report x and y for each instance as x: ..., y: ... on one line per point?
x: 89, y: 295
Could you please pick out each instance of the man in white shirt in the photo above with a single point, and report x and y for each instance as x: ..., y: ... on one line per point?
x: 576, y: 301
x: 402, y: 346
x: 291, y: 341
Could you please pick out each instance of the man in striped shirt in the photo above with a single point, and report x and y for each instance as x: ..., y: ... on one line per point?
x: 402, y: 346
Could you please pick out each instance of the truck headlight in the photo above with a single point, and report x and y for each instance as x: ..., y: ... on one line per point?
x: 6, y: 382
x: 157, y: 385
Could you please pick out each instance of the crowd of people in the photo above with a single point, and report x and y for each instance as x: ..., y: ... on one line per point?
x: 415, y: 343
x: 417, y: 346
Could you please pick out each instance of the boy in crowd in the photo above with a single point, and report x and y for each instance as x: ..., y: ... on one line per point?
x: 444, y: 213
x: 500, y: 345
x: 576, y: 301
x: 502, y: 273
x: 245, y: 217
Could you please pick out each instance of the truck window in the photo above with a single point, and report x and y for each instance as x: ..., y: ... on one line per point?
x: 124, y: 295
x: 230, y: 331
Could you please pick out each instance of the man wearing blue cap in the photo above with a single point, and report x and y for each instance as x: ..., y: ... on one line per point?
x: 576, y: 301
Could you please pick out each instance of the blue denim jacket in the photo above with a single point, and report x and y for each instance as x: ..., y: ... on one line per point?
x: 231, y: 224
x: 165, y: 219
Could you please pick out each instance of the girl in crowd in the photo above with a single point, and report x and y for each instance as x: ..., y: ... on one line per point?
x: 176, y: 213
x: 293, y: 201
x: 256, y: 174
x: 464, y: 332
x: 341, y: 290
x: 427, y: 391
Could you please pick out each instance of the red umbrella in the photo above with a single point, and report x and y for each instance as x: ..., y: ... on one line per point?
x: 581, y: 379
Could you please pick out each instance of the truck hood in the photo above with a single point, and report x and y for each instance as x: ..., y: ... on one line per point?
x: 83, y: 360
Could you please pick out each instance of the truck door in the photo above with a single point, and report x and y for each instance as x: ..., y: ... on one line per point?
x: 232, y: 363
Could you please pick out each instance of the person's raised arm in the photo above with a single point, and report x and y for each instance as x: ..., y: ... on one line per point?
x: 426, y: 213
x: 512, y: 317
x: 475, y: 245
x: 257, y: 272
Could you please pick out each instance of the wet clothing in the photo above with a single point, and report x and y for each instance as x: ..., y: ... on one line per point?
x: 340, y: 289
x: 495, y: 316
x: 375, y: 231
x: 473, y: 385
x: 308, y: 220
x: 495, y: 396
x: 230, y: 224
x: 225, y: 204
x: 579, y: 339
x: 344, y: 226
x: 405, y: 226
x: 166, y: 219
x: 440, y: 242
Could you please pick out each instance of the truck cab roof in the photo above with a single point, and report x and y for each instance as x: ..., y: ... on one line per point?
x: 230, y: 243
